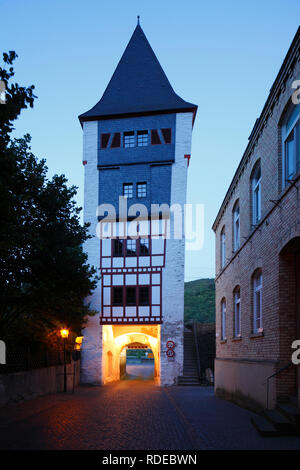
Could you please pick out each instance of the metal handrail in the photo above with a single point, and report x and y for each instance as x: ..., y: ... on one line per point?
x: 197, y: 350
x: 273, y: 375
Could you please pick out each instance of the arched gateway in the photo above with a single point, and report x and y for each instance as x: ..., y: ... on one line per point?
x: 136, y: 149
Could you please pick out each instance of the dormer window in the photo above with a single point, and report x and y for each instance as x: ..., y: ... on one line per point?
x: 129, y: 139
x: 142, y: 138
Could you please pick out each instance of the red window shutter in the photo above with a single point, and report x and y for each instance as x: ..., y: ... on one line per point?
x: 116, y: 141
x: 155, y: 137
x: 104, y: 140
x: 167, y: 135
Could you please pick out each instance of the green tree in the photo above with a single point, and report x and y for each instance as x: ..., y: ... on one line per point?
x: 44, y: 275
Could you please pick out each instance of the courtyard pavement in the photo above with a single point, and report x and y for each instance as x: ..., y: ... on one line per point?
x: 132, y: 415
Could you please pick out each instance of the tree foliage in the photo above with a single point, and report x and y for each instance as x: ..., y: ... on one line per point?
x: 44, y: 275
x: 199, y: 301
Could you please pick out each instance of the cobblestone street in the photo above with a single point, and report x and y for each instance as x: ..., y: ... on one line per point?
x: 132, y: 415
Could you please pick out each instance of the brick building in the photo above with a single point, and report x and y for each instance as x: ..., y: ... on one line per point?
x: 135, y: 143
x: 258, y: 254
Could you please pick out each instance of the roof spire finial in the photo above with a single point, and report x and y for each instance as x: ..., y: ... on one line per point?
x: 138, y: 19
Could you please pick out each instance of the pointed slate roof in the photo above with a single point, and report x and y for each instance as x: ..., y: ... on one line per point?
x: 139, y: 86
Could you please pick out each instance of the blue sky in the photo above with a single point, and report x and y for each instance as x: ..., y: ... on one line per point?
x: 223, y: 56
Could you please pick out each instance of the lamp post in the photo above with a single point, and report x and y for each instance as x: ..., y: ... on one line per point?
x: 64, y: 333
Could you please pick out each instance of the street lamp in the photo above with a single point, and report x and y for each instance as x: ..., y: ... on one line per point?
x: 64, y: 333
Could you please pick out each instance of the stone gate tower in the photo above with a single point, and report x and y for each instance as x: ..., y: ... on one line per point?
x: 136, y: 149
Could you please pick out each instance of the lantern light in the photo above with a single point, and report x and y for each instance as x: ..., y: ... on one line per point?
x: 64, y: 333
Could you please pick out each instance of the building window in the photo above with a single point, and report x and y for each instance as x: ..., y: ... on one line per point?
x: 130, y: 247
x: 256, y: 195
x: 128, y: 190
x: 291, y: 145
x: 144, y: 295
x: 236, y: 227
x: 155, y: 139
x: 129, y: 139
x: 223, y: 248
x: 104, y: 140
x: 257, y: 303
x: 116, y: 140
x: 144, y: 246
x: 141, y: 189
x: 142, y: 138
x: 166, y: 135
x: 237, y: 312
x: 118, y: 247
x: 117, y: 295
x: 223, y: 320
x: 130, y: 296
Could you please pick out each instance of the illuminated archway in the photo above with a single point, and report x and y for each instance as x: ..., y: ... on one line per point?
x: 116, y: 338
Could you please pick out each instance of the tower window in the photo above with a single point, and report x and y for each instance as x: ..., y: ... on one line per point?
x: 117, y: 297
x: 141, y: 189
x: 142, y: 138
x: 144, y: 246
x: 155, y: 139
x: 130, y: 247
x: 166, y: 135
x: 104, y: 140
x: 128, y: 190
x: 118, y: 247
x: 130, y: 296
x: 144, y: 295
x: 116, y: 141
x: 129, y: 139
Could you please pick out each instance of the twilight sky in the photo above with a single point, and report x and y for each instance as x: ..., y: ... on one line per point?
x: 223, y: 56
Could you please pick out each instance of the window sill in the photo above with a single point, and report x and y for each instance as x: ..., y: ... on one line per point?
x: 236, y: 338
x: 223, y: 341
x: 259, y: 334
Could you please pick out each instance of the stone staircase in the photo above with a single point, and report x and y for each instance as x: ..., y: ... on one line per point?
x: 284, y: 420
x: 190, y: 370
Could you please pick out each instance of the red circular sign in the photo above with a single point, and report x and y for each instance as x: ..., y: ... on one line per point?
x: 170, y: 344
x: 170, y: 353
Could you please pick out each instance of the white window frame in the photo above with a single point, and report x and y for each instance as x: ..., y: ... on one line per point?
x: 236, y: 227
x: 223, y: 248
x: 142, y: 138
x: 257, y: 303
x: 291, y: 129
x: 256, y: 195
x: 223, y: 320
x: 141, y: 190
x: 237, y: 313
x: 128, y: 190
x: 129, y: 139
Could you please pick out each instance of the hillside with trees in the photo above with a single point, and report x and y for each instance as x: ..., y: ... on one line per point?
x: 199, y: 301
